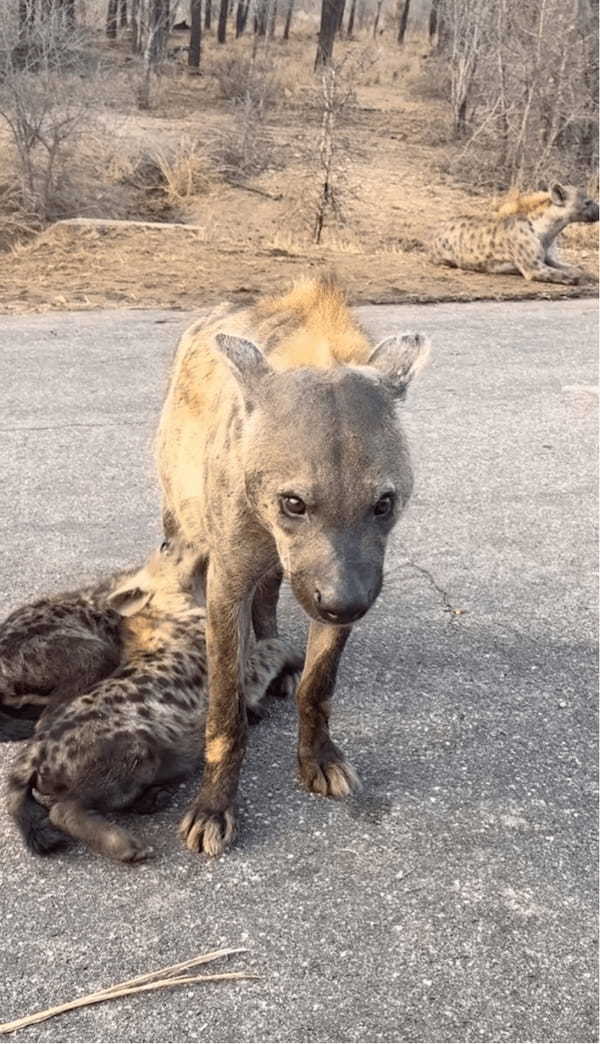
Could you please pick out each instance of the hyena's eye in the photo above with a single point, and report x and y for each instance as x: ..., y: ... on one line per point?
x: 384, y: 506
x: 291, y: 505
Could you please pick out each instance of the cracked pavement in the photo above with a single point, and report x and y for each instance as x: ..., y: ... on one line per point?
x: 454, y: 899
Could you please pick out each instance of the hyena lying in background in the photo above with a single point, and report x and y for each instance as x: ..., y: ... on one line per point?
x: 124, y: 741
x: 519, y: 238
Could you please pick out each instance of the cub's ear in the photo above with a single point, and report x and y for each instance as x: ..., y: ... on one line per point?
x: 400, y: 358
x: 246, y: 362
x: 129, y: 599
x: 558, y: 194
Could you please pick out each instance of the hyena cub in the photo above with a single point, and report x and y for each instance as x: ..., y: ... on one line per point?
x: 125, y: 740
x: 56, y: 648
x: 519, y: 238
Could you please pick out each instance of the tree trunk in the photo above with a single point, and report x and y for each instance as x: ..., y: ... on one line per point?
x: 403, y: 20
x: 195, y: 35
x: 241, y: 17
x: 272, y: 19
x: 207, y: 15
x: 136, y: 37
x: 111, y: 19
x: 377, y: 17
x: 222, y: 26
x: 433, y: 13
x: 330, y: 16
x: 160, y: 16
x: 288, y: 19
x: 350, y: 28
x: 340, y: 25
x: 261, y: 14
x: 123, y: 21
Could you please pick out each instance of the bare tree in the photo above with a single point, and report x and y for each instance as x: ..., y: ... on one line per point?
x: 330, y: 18
x: 288, y: 19
x: 112, y: 12
x: 378, y: 6
x: 403, y: 12
x: 241, y: 17
x: 351, y: 17
x: 45, y: 101
x: 261, y: 17
x: 123, y: 20
x: 207, y: 15
x: 222, y: 24
x: 195, y: 48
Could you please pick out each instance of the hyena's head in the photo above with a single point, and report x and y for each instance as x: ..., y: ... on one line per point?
x: 326, y: 467
x: 169, y: 582
x: 573, y: 203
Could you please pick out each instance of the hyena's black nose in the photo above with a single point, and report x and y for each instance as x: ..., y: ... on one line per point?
x: 340, y: 607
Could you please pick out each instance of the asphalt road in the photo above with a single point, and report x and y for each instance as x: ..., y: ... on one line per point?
x: 454, y: 900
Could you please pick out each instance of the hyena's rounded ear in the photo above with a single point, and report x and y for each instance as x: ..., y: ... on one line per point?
x: 558, y: 194
x: 129, y: 599
x: 400, y: 358
x: 245, y: 360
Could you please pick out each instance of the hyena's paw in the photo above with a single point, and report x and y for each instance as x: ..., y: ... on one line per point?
x: 329, y: 777
x: 125, y: 847
x: 205, y: 831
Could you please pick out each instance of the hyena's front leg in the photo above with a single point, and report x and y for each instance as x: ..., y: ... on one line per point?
x: 322, y: 766
x: 209, y: 824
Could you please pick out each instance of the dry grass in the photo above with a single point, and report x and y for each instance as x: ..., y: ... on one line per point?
x: 161, y: 979
x: 242, y: 173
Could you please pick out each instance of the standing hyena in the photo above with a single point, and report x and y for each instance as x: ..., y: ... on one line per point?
x: 284, y: 459
x: 122, y: 742
x: 519, y: 238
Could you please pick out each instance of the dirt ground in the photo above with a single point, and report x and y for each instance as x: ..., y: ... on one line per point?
x: 214, y: 238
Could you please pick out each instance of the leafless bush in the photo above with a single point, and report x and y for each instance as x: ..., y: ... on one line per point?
x: 243, y: 149
x: 240, y: 77
x: 47, y: 86
x: 321, y: 203
x: 524, y: 85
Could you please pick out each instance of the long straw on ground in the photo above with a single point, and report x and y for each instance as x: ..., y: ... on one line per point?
x: 155, y: 980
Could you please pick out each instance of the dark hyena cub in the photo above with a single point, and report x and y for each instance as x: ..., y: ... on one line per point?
x: 56, y: 648
x: 120, y: 744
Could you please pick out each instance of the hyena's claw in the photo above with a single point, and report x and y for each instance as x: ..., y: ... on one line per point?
x: 208, y: 832
x: 335, y: 779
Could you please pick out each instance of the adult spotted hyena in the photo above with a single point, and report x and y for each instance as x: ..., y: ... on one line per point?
x: 520, y: 237
x: 280, y: 452
x: 124, y: 741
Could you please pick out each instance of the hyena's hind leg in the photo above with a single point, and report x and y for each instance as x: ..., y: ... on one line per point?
x: 30, y: 817
x: 87, y: 825
x: 272, y: 668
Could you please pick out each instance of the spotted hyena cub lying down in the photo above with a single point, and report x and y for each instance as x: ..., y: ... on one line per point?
x: 519, y: 238
x: 56, y: 648
x: 121, y: 743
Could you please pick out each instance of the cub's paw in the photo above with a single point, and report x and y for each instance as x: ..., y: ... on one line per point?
x: 124, y: 847
x: 329, y: 778
x: 205, y: 831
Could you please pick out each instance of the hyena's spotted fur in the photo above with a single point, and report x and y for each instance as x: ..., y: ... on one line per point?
x: 56, y: 648
x: 120, y: 744
x: 521, y: 237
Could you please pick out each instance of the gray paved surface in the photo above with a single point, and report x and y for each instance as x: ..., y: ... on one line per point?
x: 455, y: 899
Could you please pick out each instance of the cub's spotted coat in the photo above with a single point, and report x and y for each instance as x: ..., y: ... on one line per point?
x: 120, y: 744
